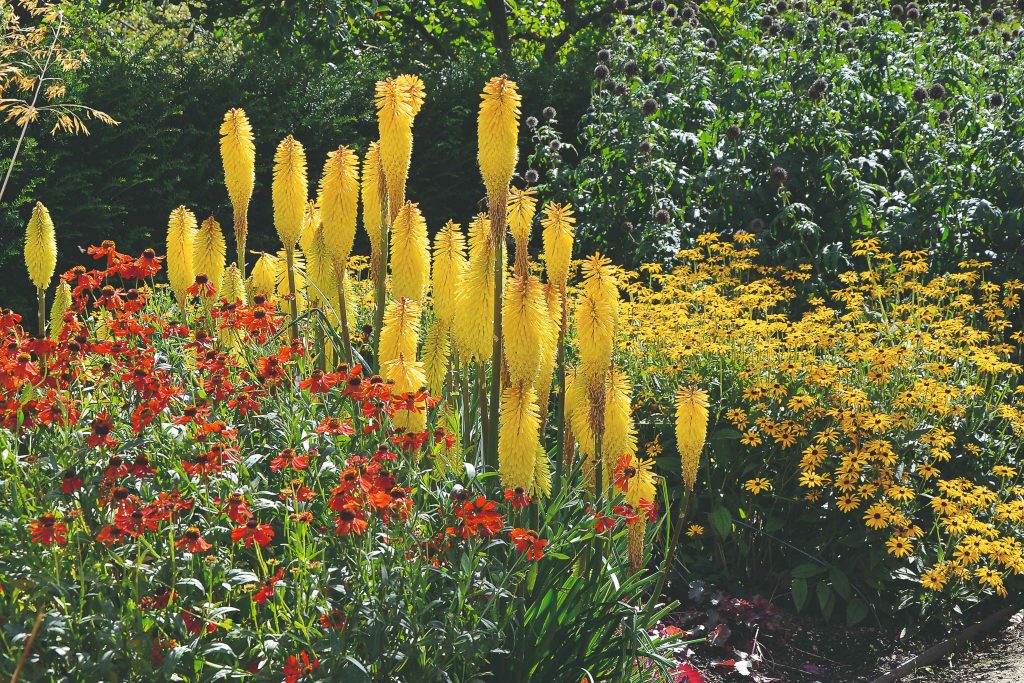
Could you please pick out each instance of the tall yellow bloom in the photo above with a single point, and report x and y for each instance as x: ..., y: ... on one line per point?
x: 321, y: 278
x: 181, y: 234
x: 263, y: 279
x: 371, y: 195
x: 525, y: 328
x: 208, y: 253
x: 448, y: 270
x: 40, y: 247
x: 541, y: 486
x: 636, y: 533
x: 691, y: 430
x: 413, y: 89
x: 549, y: 354
x: 596, y: 318
x: 394, y: 121
x: 238, y: 154
x: 410, y: 254
x: 233, y: 289
x: 61, y: 303
x: 338, y: 199
x: 558, y: 233
x: 619, y: 436
x: 436, y: 355
x: 498, y: 136
x: 289, y: 191
x: 400, y: 334
x: 474, y: 315
x: 310, y: 224
x: 408, y: 377
x: 522, y: 206
x: 518, y: 437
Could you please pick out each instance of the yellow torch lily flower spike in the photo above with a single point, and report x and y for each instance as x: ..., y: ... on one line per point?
x: 181, y: 234
x: 40, y: 256
x: 208, y: 253
x: 238, y: 155
x: 691, y: 430
x: 410, y: 254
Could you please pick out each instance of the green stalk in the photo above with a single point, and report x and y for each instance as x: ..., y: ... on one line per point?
x: 670, y: 553
x: 381, y: 276
x: 41, y: 298
x: 499, y: 211
x: 345, y: 336
x: 293, y: 331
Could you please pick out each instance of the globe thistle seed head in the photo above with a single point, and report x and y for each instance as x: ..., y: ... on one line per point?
x: 733, y: 132
x: 657, y: 6
x: 603, y: 55
x: 711, y: 44
x: 646, y: 147
x: 913, y: 13
x: 662, y: 217
x: 631, y: 68
x: 659, y: 69
x: 779, y: 175
x: 984, y: 21
x: 620, y: 89
x: 919, y: 95
x: 765, y: 22
x: 773, y: 30
x: 621, y: 5
x: 975, y: 31
x: 998, y: 15
x: 896, y: 11
x: 532, y: 122
x: 549, y: 113
x: 995, y: 100
x: 671, y: 11
x: 601, y: 72
x: 650, y: 106
x: 845, y: 25
x: 531, y: 176
x: 937, y: 91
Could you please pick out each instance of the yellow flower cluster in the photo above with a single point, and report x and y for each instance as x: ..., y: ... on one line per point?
x: 898, y: 403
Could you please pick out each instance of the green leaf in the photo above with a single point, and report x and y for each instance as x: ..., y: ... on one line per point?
x: 856, y: 611
x: 807, y: 570
x: 826, y: 599
x: 799, y: 588
x: 721, y: 520
x: 840, y: 583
